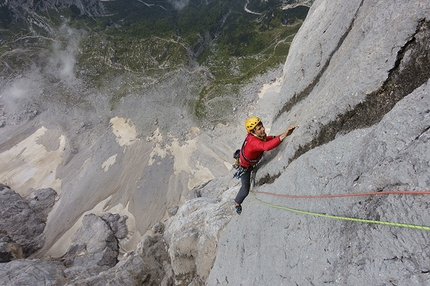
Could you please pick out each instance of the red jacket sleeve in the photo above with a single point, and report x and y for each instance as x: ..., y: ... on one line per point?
x: 257, y: 144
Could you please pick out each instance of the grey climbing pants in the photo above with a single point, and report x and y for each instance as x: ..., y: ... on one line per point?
x: 244, y: 189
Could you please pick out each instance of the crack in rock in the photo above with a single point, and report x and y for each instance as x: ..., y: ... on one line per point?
x: 304, y: 93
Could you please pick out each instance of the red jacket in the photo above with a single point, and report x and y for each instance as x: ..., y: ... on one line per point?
x: 253, y: 149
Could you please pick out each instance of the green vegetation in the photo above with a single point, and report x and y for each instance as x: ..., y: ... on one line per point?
x: 150, y: 39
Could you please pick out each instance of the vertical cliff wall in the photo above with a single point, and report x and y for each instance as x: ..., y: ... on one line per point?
x: 356, y: 83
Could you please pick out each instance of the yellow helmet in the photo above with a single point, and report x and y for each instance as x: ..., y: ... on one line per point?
x: 251, y: 122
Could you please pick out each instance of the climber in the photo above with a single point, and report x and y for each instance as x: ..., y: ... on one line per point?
x: 256, y: 142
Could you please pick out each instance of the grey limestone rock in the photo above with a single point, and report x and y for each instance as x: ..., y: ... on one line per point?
x: 129, y: 271
x: 149, y: 265
x: 94, y: 249
x: 22, y: 222
x: 32, y: 272
x: 42, y: 202
x: 117, y: 223
x: 172, y: 210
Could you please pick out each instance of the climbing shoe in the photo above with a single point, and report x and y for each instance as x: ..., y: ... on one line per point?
x: 239, y: 209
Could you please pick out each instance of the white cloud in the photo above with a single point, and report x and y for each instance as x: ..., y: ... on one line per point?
x: 63, y: 58
x: 19, y: 89
x: 179, y: 4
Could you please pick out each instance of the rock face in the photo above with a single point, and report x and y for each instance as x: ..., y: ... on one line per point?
x: 22, y: 222
x: 356, y: 82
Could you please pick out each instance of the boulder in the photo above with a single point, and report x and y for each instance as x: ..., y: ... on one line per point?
x: 117, y: 223
x: 32, y: 272
x: 94, y: 247
x: 22, y: 222
x: 42, y: 202
x: 129, y: 271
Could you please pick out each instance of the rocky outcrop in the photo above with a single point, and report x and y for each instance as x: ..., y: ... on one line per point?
x: 22, y: 222
x: 32, y: 272
x: 94, y: 249
x: 148, y: 265
x: 92, y: 257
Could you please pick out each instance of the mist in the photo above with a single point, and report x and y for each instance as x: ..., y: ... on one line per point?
x: 179, y: 4
x: 55, y: 63
x: 62, y: 62
x: 18, y: 90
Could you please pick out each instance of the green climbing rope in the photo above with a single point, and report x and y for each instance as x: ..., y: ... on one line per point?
x: 420, y: 227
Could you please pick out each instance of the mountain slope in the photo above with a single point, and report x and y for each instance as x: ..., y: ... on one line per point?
x: 125, y: 106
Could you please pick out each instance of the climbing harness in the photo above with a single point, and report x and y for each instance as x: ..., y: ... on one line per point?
x: 239, y: 173
x: 420, y: 227
x: 240, y: 169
